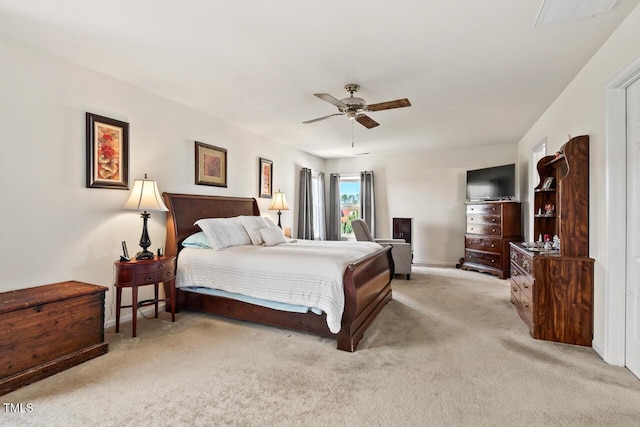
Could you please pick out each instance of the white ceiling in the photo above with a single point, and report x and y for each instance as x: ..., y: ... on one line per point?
x: 476, y: 72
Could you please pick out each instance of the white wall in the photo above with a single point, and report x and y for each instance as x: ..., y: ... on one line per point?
x: 52, y: 227
x: 429, y: 187
x: 580, y: 110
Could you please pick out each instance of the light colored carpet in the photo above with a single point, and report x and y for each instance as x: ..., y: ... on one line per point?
x: 448, y: 350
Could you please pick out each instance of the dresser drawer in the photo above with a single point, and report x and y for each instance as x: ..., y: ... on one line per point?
x: 521, y: 260
x: 515, y: 292
x: 524, y: 280
x: 155, y: 267
x: 483, y: 219
x: 155, y: 276
x: 488, y: 244
x: 526, y: 309
x: 490, y: 230
x: 485, y: 209
x: 489, y: 259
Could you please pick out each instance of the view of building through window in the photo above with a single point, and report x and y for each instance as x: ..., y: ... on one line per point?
x: 349, y: 203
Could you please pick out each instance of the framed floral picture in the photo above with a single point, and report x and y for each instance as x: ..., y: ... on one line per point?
x: 211, y: 165
x: 266, y: 178
x: 107, y: 152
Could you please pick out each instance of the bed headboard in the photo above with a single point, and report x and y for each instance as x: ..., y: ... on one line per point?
x: 185, y: 209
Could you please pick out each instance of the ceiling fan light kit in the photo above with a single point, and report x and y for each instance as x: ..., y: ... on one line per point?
x: 354, y: 107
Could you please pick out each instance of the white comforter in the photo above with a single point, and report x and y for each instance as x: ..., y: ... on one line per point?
x: 307, y: 272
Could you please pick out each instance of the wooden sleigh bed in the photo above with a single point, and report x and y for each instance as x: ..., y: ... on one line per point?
x: 367, y: 282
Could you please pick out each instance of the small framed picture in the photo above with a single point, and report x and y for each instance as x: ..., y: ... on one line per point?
x: 546, y: 185
x: 266, y: 178
x: 107, y: 152
x: 211, y: 165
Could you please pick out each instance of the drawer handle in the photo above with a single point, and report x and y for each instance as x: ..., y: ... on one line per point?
x: 161, y: 266
x: 493, y: 231
x: 148, y: 278
x: 526, y: 286
x: 525, y: 265
x: 515, y: 289
x: 493, y: 246
x: 470, y: 219
x: 493, y: 260
x: 515, y: 273
x: 526, y: 304
x: 493, y: 219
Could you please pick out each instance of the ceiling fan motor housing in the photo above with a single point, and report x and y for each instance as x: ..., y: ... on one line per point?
x: 353, y: 104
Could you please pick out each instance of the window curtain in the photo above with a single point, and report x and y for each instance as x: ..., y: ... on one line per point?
x: 367, y: 200
x: 305, y: 206
x: 333, y: 229
x: 320, y: 208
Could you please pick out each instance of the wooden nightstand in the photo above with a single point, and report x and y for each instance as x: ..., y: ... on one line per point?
x: 134, y: 273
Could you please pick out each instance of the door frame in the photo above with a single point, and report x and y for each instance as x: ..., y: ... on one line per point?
x: 615, y: 239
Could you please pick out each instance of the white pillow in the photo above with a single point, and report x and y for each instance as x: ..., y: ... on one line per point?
x: 272, y: 236
x: 224, y: 232
x: 197, y: 240
x: 269, y: 221
x: 252, y: 224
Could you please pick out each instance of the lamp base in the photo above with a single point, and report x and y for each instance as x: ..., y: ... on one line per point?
x: 145, y: 242
x: 145, y: 255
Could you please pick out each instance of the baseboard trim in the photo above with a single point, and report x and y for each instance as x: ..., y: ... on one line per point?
x: 598, y: 348
x: 145, y: 311
x: 425, y: 263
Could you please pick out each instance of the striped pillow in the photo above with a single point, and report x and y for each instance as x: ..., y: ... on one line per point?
x: 224, y: 232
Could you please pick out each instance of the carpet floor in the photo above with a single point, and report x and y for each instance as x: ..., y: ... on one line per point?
x: 449, y: 349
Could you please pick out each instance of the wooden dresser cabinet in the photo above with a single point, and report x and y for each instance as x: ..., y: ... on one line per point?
x: 47, y: 329
x: 553, y: 289
x: 553, y: 295
x: 491, y: 226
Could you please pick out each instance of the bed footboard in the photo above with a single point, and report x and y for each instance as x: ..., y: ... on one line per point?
x: 367, y: 288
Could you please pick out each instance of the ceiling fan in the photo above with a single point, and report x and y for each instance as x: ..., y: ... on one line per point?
x: 354, y: 108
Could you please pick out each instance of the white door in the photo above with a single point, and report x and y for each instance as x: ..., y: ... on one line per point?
x: 632, y: 329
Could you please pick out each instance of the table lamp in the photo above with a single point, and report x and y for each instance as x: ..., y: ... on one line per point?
x: 279, y: 203
x: 145, y: 197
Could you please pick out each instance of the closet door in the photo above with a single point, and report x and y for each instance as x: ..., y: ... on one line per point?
x: 632, y: 346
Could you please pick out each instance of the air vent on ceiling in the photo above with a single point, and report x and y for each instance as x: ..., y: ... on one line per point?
x: 556, y: 11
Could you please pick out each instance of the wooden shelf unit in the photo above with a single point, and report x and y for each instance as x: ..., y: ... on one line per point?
x: 570, y: 196
x: 553, y: 292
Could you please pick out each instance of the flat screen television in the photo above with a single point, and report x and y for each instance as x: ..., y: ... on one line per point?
x: 495, y: 183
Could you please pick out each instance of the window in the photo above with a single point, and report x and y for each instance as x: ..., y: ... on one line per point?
x: 317, y: 195
x: 349, y: 202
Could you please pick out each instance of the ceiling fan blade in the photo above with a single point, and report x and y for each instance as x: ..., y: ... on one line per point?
x: 330, y: 99
x: 367, y: 121
x: 323, y: 118
x: 398, y: 103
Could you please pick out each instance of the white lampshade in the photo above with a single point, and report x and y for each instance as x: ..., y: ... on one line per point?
x: 279, y: 202
x: 145, y: 196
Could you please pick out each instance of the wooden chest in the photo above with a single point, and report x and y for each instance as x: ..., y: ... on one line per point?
x: 47, y: 329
